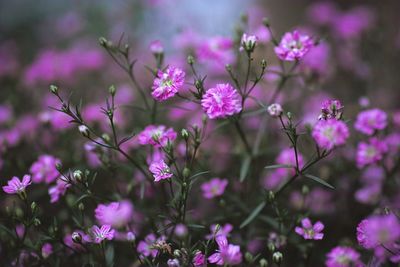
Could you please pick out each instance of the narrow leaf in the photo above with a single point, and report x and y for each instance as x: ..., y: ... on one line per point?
x: 319, y: 180
x: 278, y: 166
x: 253, y: 214
x: 244, y: 169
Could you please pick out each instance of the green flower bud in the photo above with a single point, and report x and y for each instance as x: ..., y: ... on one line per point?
x: 277, y: 257
x: 54, y: 89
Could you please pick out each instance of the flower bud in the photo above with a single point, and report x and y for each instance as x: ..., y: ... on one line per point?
x: 112, y: 90
x: 105, y: 137
x: 275, y: 110
x: 185, y: 134
x: 248, y: 42
x: 37, y: 222
x: 81, y: 206
x: 271, y: 196
x: 186, y: 172
x: 177, y: 253
x: 54, y: 89
x: 33, y: 206
x: 78, y: 174
x: 130, y: 237
x: 76, y: 237
x: 248, y: 257
x: 277, y: 257
x: 228, y: 67
x: 265, y: 21
x: 156, y: 47
x: 263, y: 263
x: 190, y: 60
x: 84, y: 130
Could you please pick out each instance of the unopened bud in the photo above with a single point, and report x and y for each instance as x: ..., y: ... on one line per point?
x: 277, y: 257
x: 58, y: 166
x: 103, y: 41
x: 130, y: 237
x: 112, y: 90
x: 186, y: 172
x: 33, y: 206
x: 54, y: 89
x: 263, y: 63
x: 84, y: 130
x: 228, y: 67
x: 78, y: 174
x: 248, y: 257
x: 36, y: 222
x: 265, y: 21
x: 76, y: 237
x: 177, y: 253
x: 105, y: 137
x: 263, y: 262
x: 271, y: 196
x: 275, y: 110
x: 190, y: 60
x: 81, y: 206
x: 185, y: 134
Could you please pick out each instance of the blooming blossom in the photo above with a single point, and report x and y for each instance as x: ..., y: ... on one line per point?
x: 44, y: 169
x: 216, y: 230
x: 331, y: 109
x: 343, y: 257
x: 371, y: 120
x: 145, y: 247
x: 97, y: 235
x: 228, y: 254
x: 275, y: 110
x: 371, y: 152
x: 293, y: 46
x: 160, y: 170
x: 217, y: 51
x: 330, y: 133
x: 116, y: 214
x: 221, y: 101
x: 58, y: 190
x: 199, y: 259
x: 310, y: 231
x: 167, y: 83
x: 15, y: 186
x: 156, y: 135
x: 214, y: 188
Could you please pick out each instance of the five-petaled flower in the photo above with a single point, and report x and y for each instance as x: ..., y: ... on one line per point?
x: 310, y: 231
x: 16, y: 186
x: 97, y: 235
x: 160, y: 170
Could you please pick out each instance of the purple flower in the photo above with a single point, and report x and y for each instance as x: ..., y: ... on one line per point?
x: 58, y: 190
x: 116, y: 214
x: 214, y: 188
x: 228, y: 254
x: 331, y: 109
x: 160, y: 170
x: 343, y: 257
x: 371, y: 152
x: 222, y: 230
x: 199, y: 259
x: 44, y: 169
x: 330, y: 133
x: 167, y: 83
x: 378, y: 230
x: 47, y: 250
x: 221, y: 101
x: 310, y: 231
x: 15, y: 186
x: 369, y: 121
x: 293, y: 46
x: 145, y: 247
x: 97, y: 235
x: 156, y: 135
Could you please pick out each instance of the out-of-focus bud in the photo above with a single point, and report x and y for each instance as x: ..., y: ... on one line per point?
x: 36, y: 222
x: 84, y: 130
x: 185, y: 134
x: 275, y: 110
x: 190, y: 60
x: 105, y: 137
x: 271, y: 196
x: 289, y: 115
x: 228, y: 67
x: 81, y: 206
x: 181, y: 230
x: 186, y: 172
x: 265, y: 21
x: 76, y: 237
x: 54, y: 89
x: 177, y: 253
x: 130, y: 237
x: 33, y: 207
x: 305, y: 190
x: 263, y: 63
x: 156, y: 47
x: 112, y: 90
x: 173, y: 263
x: 277, y: 257
x: 58, y: 166
x: 248, y: 257
x: 263, y: 262
x: 78, y: 175
x: 271, y: 247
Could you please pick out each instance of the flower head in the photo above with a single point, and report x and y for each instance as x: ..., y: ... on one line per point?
x: 116, y: 214
x: 221, y: 101
x: 146, y: 247
x: 58, y: 190
x: 160, y: 170
x: 293, y: 46
x: 310, y: 231
x: 248, y: 43
x: 15, y: 186
x: 156, y: 135
x: 371, y: 120
x: 44, y: 169
x: 275, y: 110
x: 156, y: 47
x: 97, y: 235
x: 371, y: 152
x: 199, y: 259
x: 214, y: 188
x: 331, y: 109
x: 228, y: 254
x: 167, y: 83
x: 343, y: 257
x: 330, y: 133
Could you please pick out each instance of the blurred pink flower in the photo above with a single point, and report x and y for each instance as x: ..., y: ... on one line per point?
x: 116, y: 214
x: 293, y: 46
x: 310, y: 231
x: 214, y: 188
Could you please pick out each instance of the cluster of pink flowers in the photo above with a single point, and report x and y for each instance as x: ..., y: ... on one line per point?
x: 294, y: 46
x: 221, y: 101
x: 156, y: 135
x: 167, y: 83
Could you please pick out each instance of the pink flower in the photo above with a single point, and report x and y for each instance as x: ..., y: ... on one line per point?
x: 15, y: 186
x: 116, y: 214
x: 369, y: 121
x: 167, y: 83
x: 222, y: 230
x: 227, y: 254
x: 371, y: 152
x: 248, y: 42
x: 58, y: 190
x: 44, y: 169
x: 156, y: 47
x: 47, y: 250
x: 199, y: 259
x: 331, y: 109
x: 214, y: 188
x: 145, y: 247
x: 221, y: 101
x: 275, y: 110
x: 97, y: 235
x: 160, y: 170
x: 310, y: 231
x: 343, y: 257
x: 156, y: 135
x: 293, y: 46
x: 330, y: 133
x: 217, y: 51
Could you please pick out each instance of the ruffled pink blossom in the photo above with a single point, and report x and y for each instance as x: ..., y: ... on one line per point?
x: 58, y: 190
x: 343, y: 257
x: 44, y: 169
x: 227, y: 254
x: 371, y: 120
x: 330, y: 133
x: 167, y: 83
x: 199, y: 259
x: 160, y: 170
x: 293, y: 46
x: 371, y: 152
x: 156, y: 135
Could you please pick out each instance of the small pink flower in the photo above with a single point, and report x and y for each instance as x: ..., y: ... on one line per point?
x: 167, y: 83
x: 160, y: 170
x: 275, y: 110
x: 371, y: 152
x: 293, y: 46
x: 369, y: 121
x: 330, y: 133
x: 156, y: 47
x: 15, y: 186
x: 227, y: 254
x: 97, y: 234
x: 331, y: 109
x: 199, y: 259
x: 343, y: 257
x: 116, y: 214
x: 248, y: 42
x: 222, y: 230
x: 156, y: 135
x: 214, y: 188
x: 44, y: 169
x: 47, y: 250
x: 58, y: 190
x: 221, y: 101
x: 310, y: 231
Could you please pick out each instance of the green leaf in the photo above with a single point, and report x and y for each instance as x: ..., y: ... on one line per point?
x: 278, y: 166
x: 198, y: 174
x: 253, y: 214
x: 244, y: 168
x: 197, y: 226
x: 319, y: 180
